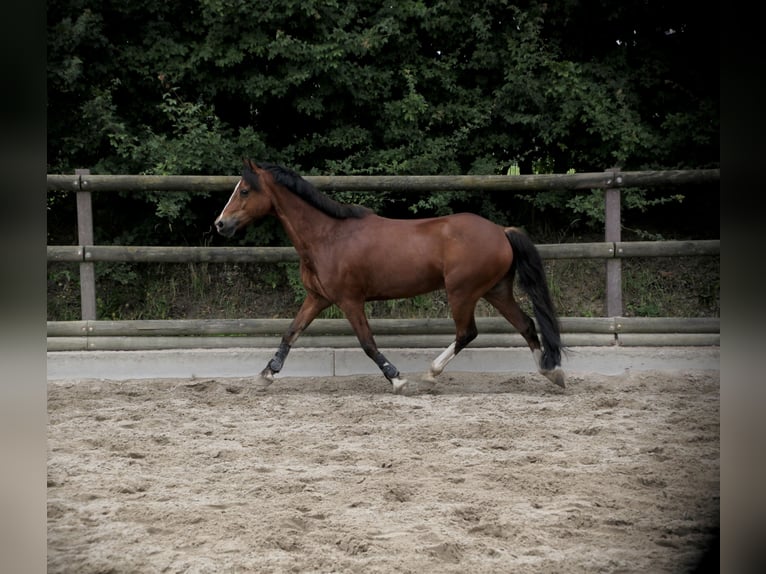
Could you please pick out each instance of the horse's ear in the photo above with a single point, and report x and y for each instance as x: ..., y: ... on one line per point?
x: 250, y: 164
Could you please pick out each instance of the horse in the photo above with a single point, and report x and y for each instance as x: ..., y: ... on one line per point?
x: 350, y: 255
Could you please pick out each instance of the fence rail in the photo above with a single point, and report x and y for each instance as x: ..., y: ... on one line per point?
x: 399, y: 183
x: 150, y: 254
x: 613, y: 329
x: 399, y: 333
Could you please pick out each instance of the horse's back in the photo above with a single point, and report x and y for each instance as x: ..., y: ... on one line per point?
x: 458, y: 232
x: 468, y: 233
x: 459, y: 225
x: 461, y: 241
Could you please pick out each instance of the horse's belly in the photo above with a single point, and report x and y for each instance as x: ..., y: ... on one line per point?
x: 399, y: 286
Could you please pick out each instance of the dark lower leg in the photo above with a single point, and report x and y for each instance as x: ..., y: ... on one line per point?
x: 501, y: 298
x: 358, y: 321
x: 529, y: 332
x: 465, y: 332
x: 389, y: 371
x: 465, y: 336
x: 310, y: 308
x: 277, y: 362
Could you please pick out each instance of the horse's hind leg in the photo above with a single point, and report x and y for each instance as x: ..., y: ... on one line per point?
x: 465, y: 332
x: 501, y: 298
x: 311, y: 307
x: 354, y: 313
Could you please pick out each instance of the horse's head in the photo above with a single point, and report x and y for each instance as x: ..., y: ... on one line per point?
x: 250, y: 201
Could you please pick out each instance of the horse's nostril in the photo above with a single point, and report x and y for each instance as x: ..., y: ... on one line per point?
x: 224, y: 228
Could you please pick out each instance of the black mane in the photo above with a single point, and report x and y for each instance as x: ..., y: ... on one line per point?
x: 310, y: 194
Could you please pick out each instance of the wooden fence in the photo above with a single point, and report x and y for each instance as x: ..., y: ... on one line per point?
x: 610, y: 330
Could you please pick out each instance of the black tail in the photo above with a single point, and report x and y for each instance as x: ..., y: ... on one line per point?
x: 532, y: 280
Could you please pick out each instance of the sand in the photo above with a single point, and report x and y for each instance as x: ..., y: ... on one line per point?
x: 476, y: 473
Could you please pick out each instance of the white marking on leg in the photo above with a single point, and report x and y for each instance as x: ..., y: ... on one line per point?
x: 441, y: 361
x: 538, y: 355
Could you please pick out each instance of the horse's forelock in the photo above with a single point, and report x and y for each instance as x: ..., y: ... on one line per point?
x: 251, y: 178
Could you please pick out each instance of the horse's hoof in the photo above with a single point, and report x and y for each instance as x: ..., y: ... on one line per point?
x: 430, y: 377
x: 263, y: 380
x: 556, y: 376
x: 399, y: 385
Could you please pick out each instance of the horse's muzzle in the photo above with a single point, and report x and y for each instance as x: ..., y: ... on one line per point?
x: 226, y: 228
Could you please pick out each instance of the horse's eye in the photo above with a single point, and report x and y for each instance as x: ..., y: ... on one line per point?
x: 243, y: 192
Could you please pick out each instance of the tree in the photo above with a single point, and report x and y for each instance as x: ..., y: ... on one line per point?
x: 363, y: 87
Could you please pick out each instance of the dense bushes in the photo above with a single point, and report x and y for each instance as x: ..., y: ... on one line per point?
x: 363, y: 87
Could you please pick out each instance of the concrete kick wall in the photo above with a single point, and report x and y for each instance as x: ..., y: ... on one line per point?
x: 316, y: 362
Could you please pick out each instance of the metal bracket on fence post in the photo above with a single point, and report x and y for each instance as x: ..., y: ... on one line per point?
x: 85, y: 237
x: 613, y: 234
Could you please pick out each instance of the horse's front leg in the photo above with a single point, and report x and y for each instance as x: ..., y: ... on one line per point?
x: 355, y: 315
x: 311, y: 307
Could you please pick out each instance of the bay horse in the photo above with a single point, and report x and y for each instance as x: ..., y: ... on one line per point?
x: 349, y: 255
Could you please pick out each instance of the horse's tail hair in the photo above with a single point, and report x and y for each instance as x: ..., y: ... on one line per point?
x: 529, y: 267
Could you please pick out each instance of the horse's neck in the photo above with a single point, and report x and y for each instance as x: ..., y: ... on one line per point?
x: 305, y: 225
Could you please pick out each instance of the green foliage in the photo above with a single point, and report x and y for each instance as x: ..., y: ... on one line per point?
x: 586, y: 209
x: 361, y: 87
x: 437, y: 203
x: 364, y: 87
x: 194, y: 131
x: 293, y: 274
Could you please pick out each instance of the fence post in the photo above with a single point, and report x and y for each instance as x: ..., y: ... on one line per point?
x: 613, y: 234
x: 85, y: 237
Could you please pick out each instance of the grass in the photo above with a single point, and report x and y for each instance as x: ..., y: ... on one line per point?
x: 671, y: 287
